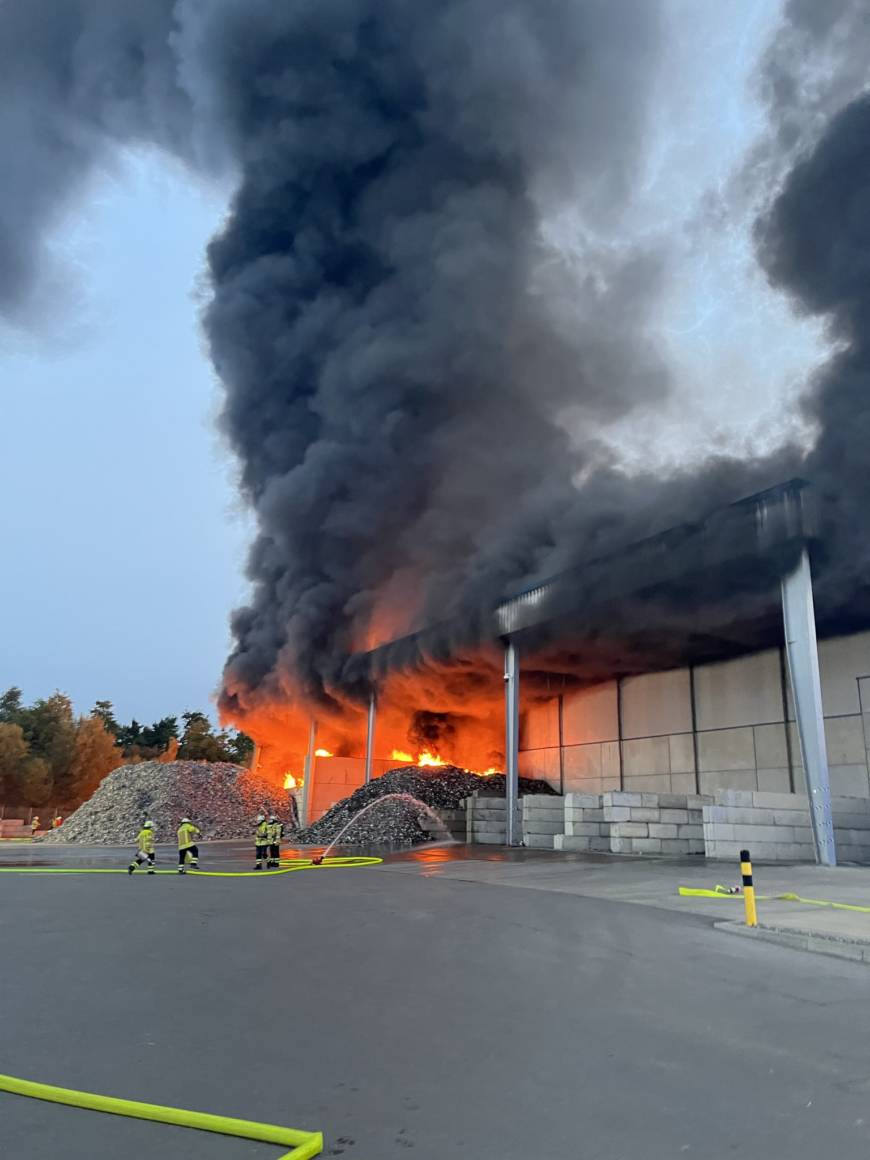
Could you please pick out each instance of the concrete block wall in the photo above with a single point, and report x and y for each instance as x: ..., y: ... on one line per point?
x: 486, y: 820
x: 623, y: 822
x: 585, y: 829
x: 447, y: 823
x: 775, y: 827
x: 543, y: 818
x: 649, y: 823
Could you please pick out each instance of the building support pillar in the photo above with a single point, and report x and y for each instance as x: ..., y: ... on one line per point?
x: 370, y: 734
x: 803, y: 665
x: 308, y: 775
x: 513, y: 828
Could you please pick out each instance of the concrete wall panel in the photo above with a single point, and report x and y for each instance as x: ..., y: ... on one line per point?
x: 841, y: 662
x: 850, y: 780
x: 646, y: 756
x: 845, y: 740
x: 583, y: 761
x: 656, y: 783
x: 682, y: 749
x: 590, y: 715
x: 656, y: 703
x: 539, y: 725
x: 745, y: 691
x: 728, y: 779
x: 771, y: 750
x: 726, y: 749
x: 541, y: 764
x: 774, y: 780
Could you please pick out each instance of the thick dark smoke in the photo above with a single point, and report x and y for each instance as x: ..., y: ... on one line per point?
x: 397, y: 352
x: 398, y: 345
x: 815, y: 245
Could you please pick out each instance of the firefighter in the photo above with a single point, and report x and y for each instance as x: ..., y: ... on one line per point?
x: 187, y: 847
x: 144, y: 848
x: 34, y: 825
x: 276, y: 833
x: 261, y: 840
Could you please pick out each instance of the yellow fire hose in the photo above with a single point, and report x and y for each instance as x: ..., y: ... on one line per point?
x: 303, y: 1145
x: 288, y: 866
x: 724, y: 892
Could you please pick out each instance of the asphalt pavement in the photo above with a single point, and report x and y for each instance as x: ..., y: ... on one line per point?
x: 408, y: 1014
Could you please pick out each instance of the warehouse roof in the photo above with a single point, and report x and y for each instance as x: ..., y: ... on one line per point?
x: 696, y: 590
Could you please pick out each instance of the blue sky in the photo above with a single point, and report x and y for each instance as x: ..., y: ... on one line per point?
x: 124, y: 541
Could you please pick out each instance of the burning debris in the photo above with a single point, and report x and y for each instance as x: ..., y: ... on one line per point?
x: 220, y: 797
x: 397, y: 822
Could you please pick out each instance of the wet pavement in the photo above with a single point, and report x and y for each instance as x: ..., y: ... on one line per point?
x: 454, y: 1001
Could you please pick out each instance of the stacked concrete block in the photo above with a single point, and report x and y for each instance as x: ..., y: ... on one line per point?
x: 851, y: 828
x: 585, y: 829
x: 651, y: 823
x: 486, y: 820
x: 775, y: 827
x: 543, y: 818
x: 452, y: 823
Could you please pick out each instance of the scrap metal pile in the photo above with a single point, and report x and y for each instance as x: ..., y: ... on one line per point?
x: 223, y: 799
x: 398, y: 822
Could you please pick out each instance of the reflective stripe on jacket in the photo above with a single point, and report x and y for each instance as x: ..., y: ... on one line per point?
x: 145, y: 841
x: 187, y: 835
x: 261, y: 835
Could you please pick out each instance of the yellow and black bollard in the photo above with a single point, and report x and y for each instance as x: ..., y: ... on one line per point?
x: 748, y: 889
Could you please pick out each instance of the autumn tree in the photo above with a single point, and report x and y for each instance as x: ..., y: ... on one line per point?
x: 13, y: 752
x: 94, y: 755
x: 36, y: 781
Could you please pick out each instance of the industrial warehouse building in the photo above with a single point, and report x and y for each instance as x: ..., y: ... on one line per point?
x: 665, y: 730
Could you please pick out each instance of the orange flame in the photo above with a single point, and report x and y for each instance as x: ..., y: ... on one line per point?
x: 291, y: 782
x: 322, y: 753
x: 429, y: 758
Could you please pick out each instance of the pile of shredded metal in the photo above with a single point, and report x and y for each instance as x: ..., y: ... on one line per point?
x: 221, y: 798
x: 397, y: 823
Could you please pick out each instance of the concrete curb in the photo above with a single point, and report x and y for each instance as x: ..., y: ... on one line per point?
x: 800, y: 940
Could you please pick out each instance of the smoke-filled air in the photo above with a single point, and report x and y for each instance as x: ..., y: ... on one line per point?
x: 417, y: 379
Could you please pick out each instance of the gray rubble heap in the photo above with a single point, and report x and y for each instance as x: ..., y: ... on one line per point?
x: 396, y: 823
x: 221, y: 798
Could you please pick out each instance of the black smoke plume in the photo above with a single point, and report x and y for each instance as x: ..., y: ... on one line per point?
x: 396, y: 349
x: 815, y: 245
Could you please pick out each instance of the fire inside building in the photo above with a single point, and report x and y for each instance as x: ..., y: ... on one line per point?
x: 641, y: 674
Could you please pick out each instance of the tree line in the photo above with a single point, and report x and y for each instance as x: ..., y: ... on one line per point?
x: 48, y: 755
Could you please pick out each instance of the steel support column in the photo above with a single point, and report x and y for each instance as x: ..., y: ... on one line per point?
x: 803, y: 666
x: 513, y: 829
x: 370, y: 734
x: 308, y: 775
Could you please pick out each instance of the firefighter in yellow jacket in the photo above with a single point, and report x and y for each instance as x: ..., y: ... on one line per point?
x: 144, y: 848
x: 276, y: 833
x: 187, y: 847
x: 261, y: 840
